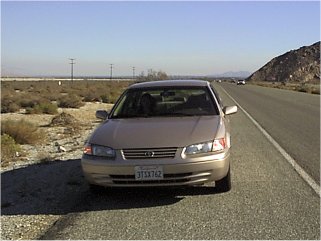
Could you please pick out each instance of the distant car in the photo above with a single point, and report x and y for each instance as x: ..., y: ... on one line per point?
x: 161, y: 133
x: 241, y: 82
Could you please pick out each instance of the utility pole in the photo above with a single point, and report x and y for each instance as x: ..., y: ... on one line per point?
x: 133, y: 73
x: 72, y: 69
x: 111, y: 71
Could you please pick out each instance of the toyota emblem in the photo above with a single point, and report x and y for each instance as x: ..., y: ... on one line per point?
x: 149, y: 153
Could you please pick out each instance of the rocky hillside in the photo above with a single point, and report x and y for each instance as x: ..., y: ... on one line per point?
x: 300, y: 66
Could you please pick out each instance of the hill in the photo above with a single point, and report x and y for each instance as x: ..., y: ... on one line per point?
x: 298, y: 66
x: 230, y: 74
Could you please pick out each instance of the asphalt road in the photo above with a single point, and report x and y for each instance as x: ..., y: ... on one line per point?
x: 268, y: 200
x: 291, y: 118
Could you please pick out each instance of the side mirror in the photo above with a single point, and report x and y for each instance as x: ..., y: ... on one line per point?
x: 228, y: 110
x: 101, y: 114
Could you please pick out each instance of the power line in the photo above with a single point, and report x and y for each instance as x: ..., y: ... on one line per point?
x: 111, y: 71
x: 72, y: 69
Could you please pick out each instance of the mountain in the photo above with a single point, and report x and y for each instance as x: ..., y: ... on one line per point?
x: 301, y: 65
x: 236, y: 74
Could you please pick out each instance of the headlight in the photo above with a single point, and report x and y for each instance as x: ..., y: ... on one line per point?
x: 199, y: 148
x: 96, y: 150
x: 211, y: 146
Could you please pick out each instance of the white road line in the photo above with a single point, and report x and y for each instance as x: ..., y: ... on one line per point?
x: 306, y: 177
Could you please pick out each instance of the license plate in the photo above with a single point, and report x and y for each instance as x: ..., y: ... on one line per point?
x: 149, y: 173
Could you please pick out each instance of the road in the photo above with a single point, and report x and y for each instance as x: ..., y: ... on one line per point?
x: 291, y: 118
x: 268, y: 200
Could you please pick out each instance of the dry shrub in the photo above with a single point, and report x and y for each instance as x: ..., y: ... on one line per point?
x: 91, y: 96
x: 31, y: 100
x: 315, y: 91
x: 66, y: 120
x: 8, y: 105
x: 104, y: 98
x: 43, y: 108
x: 70, y: 101
x: 44, y: 157
x: 28, y: 94
x: 300, y: 87
x: 33, y: 103
x: 312, y: 89
x: 113, y: 96
x: 22, y: 132
x: 63, y: 119
x: 9, y: 148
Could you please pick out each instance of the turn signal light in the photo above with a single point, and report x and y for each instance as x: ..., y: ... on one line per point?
x: 219, y: 144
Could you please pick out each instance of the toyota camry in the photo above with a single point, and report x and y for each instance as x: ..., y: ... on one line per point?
x: 162, y: 133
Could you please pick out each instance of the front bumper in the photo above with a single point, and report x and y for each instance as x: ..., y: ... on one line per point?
x: 177, y: 171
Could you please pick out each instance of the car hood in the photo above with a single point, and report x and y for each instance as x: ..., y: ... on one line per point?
x: 156, y: 132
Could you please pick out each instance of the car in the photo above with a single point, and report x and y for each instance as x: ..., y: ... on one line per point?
x: 161, y: 133
x: 241, y: 82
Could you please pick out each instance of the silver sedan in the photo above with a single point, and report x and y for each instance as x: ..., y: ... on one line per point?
x: 161, y: 133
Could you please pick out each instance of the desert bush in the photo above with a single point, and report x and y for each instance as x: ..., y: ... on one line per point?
x: 22, y: 132
x: 8, y: 105
x: 113, y: 96
x: 32, y: 93
x: 302, y: 89
x: 63, y: 119
x: 31, y: 100
x: 104, y: 98
x: 70, y: 101
x: 9, y: 149
x: 53, y: 97
x: 91, y: 96
x: 43, y: 108
x: 66, y: 120
x: 315, y: 91
x: 153, y: 76
x: 44, y: 158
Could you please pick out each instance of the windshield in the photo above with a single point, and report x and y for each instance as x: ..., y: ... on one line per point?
x: 175, y: 101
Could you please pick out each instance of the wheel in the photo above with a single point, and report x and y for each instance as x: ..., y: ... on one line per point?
x: 224, y: 185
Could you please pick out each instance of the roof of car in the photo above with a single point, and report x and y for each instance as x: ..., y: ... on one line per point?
x: 162, y: 83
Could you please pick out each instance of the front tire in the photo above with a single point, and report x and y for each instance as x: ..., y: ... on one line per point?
x: 224, y: 185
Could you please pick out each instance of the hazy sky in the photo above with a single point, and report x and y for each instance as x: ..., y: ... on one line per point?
x: 186, y: 38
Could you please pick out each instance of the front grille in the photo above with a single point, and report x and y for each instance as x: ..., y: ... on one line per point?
x: 149, y: 153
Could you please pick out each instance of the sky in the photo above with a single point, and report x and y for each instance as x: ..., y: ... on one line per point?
x: 180, y: 38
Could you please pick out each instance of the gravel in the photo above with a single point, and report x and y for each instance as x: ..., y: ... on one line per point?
x: 45, y: 183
